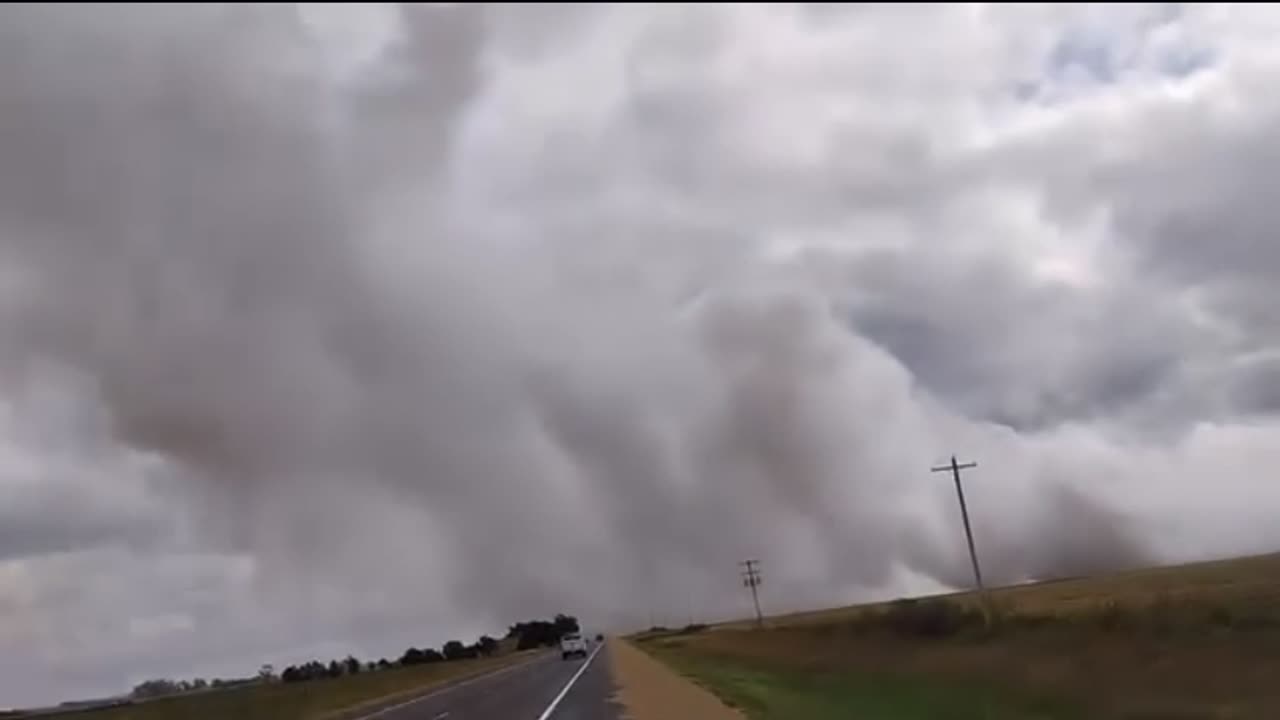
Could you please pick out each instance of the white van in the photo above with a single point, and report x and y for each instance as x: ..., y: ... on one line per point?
x: 572, y: 644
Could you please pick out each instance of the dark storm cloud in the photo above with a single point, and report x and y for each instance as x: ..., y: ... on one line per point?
x: 1186, y: 189
x: 1184, y: 183
x: 43, y: 520
x: 1254, y: 386
x: 1007, y: 348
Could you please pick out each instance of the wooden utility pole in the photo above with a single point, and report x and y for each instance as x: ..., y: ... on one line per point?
x: 954, y: 468
x: 751, y: 579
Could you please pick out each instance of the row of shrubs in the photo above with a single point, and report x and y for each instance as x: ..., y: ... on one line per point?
x: 662, y: 631
x: 941, y: 617
x: 945, y: 617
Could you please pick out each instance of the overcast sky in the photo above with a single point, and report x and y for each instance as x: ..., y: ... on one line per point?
x: 348, y: 329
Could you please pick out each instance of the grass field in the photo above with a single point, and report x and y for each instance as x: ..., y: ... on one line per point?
x: 1195, y: 641
x: 333, y: 699
x: 780, y: 693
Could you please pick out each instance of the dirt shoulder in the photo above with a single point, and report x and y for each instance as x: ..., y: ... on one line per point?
x: 649, y: 690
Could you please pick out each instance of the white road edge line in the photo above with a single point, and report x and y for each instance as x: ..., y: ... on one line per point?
x: 443, y: 690
x: 565, y: 690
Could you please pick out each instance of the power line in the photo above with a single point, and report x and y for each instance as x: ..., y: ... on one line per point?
x: 954, y: 468
x: 751, y: 578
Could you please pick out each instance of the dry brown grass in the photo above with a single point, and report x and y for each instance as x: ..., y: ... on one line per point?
x: 1197, y: 641
x: 1229, y: 582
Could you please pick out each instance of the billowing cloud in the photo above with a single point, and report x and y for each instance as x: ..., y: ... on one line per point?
x: 325, y: 333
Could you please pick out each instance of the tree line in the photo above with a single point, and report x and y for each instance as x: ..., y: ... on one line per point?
x: 542, y: 633
x: 450, y: 651
x: 161, y: 687
x: 526, y: 635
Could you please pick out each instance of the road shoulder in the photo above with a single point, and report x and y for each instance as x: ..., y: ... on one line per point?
x: 649, y: 690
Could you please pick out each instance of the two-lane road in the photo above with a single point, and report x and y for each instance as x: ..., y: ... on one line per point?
x: 545, y: 688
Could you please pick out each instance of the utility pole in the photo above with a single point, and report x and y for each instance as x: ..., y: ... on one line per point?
x: 954, y: 468
x: 751, y: 579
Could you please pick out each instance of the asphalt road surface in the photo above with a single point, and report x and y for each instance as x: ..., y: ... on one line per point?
x: 545, y: 688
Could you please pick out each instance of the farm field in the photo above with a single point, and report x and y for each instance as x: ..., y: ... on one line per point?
x: 1193, y: 641
x: 331, y: 699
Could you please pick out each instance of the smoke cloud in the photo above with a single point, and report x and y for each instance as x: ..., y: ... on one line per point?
x: 468, y: 316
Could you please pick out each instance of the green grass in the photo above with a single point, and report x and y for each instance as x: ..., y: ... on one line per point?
x: 302, y: 701
x: 772, y: 694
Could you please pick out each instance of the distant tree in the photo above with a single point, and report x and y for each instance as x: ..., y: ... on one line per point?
x: 383, y: 664
x: 541, y: 633
x: 335, y: 670
x: 353, y: 665
x: 565, y: 624
x: 156, y: 688
x: 267, y: 672
x: 486, y: 645
x: 412, y: 656
x: 431, y: 655
x: 454, y: 650
x: 370, y: 666
x: 199, y: 684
